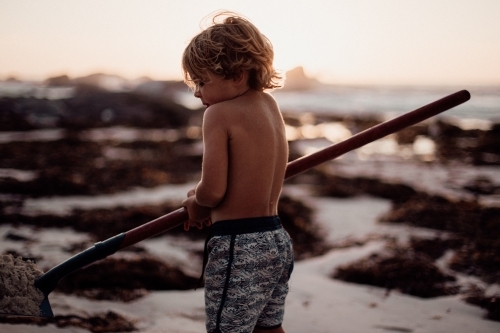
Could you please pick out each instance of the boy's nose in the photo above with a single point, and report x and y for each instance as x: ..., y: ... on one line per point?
x: 197, y: 93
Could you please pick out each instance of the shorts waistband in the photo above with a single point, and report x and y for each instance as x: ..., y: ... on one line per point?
x: 239, y: 227
x: 246, y: 225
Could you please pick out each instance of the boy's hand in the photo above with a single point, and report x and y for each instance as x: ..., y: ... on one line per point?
x: 198, y: 215
x: 191, y: 192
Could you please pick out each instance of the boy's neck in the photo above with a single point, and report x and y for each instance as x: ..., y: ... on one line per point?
x: 241, y: 83
x: 244, y: 91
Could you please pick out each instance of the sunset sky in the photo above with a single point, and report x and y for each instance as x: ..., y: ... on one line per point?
x: 451, y: 42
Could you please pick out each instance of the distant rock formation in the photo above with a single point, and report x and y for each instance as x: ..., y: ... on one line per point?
x: 102, y: 81
x: 160, y: 88
x: 58, y: 81
x: 296, y: 79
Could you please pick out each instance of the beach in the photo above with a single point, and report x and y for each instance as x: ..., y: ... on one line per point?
x: 425, y: 200
x: 316, y: 303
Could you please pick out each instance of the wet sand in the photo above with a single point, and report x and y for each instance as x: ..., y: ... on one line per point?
x: 19, y: 296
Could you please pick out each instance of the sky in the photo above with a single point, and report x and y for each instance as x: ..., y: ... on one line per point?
x: 407, y: 42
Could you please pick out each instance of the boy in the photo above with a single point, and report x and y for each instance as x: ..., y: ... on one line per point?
x: 250, y: 257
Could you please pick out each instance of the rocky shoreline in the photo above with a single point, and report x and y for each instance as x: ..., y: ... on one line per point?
x: 163, y: 147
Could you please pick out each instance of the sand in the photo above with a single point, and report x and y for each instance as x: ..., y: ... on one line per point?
x: 316, y: 303
x: 18, y: 294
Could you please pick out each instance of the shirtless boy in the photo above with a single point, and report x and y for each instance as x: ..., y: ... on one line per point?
x: 250, y: 257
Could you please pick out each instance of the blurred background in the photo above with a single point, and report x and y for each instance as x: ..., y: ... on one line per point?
x: 342, y: 42
x: 421, y: 46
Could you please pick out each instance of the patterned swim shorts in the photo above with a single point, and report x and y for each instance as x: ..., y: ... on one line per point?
x: 249, y: 265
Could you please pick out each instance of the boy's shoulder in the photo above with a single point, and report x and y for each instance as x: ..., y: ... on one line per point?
x: 251, y: 104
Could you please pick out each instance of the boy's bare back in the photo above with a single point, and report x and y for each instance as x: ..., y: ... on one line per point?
x: 229, y: 66
x: 257, y: 154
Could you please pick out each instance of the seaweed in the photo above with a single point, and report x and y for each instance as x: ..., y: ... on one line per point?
x: 401, y: 269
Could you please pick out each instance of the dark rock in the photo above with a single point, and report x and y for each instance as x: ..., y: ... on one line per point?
x: 20, y: 114
x: 479, y: 257
x: 341, y: 187
x: 111, y: 294
x: 487, y: 150
x: 435, y: 212
x: 10, y: 117
x: 434, y: 247
x: 13, y: 236
x: 476, y: 227
x: 59, y: 81
x: 70, y: 166
x: 101, y: 223
x: 476, y: 296
x: 113, y: 278
x: 482, y: 185
x: 141, y: 273
x: 93, y: 107
x: 97, y: 323
x: 404, y: 270
x: 474, y: 146
x: 308, y: 238
x: 409, y: 134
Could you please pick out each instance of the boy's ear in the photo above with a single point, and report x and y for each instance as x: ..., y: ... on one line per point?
x: 241, y: 78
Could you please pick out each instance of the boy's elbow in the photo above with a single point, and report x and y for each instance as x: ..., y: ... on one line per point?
x: 209, y: 198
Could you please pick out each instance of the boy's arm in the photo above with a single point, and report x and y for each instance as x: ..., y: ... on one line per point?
x: 198, y: 215
x: 212, y: 187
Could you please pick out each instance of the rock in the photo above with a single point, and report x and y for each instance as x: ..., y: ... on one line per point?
x: 342, y: 187
x: 121, y: 275
x: 487, y: 150
x: 307, y: 236
x: 58, y: 81
x: 97, y: 323
x: 476, y: 295
x: 476, y: 227
x: 296, y: 79
x: 401, y: 269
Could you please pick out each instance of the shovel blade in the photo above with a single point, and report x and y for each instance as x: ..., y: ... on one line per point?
x: 45, y: 308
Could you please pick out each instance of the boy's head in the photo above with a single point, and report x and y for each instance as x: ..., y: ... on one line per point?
x: 230, y: 46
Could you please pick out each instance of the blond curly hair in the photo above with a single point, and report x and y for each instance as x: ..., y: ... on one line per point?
x: 231, y: 45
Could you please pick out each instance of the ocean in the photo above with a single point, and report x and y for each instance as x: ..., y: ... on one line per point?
x: 389, y: 101
x: 341, y: 100
x: 484, y: 103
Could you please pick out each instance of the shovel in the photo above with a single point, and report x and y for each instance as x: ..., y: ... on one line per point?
x: 48, y: 281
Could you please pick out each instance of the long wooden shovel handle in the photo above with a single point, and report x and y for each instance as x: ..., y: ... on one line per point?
x: 304, y: 163
x: 48, y: 281
x: 376, y: 132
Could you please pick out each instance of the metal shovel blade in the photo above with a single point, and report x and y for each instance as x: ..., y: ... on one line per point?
x: 45, y: 309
